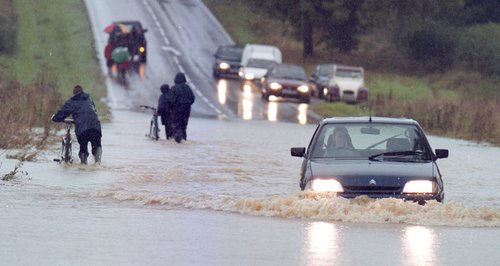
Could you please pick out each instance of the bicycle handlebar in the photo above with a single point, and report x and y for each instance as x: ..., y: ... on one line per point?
x: 148, y: 107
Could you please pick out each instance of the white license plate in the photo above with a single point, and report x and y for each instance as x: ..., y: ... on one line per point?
x: 289, y: 92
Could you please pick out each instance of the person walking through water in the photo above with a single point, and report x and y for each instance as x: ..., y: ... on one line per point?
x: 87, y: 125
x: 164, y: 111
x: 179, y: 100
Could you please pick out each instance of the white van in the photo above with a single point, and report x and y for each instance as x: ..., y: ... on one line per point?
x: 256, y: 59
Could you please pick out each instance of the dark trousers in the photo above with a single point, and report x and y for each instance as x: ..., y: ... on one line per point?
x: 166, y: 120
x: 93, y: 136
x: 181, y: 118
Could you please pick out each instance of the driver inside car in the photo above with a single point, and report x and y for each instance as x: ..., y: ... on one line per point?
x: 340, y: 144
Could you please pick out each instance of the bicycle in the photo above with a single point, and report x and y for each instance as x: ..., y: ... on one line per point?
x: 66, y: 143
x: 154, y: 129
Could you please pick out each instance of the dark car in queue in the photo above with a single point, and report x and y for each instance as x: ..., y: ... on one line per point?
x: 287, y: 81
x: 378, y: 157
x: 227, y: 60
x: 137, y: 39
x: 320, y: 79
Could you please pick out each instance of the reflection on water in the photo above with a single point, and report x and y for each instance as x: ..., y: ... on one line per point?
x: 302, y: 113
x: 418, y: 246
x: 322, y: 243
x: 272, y: 111
x: 140, y: 71
x: 222, y: 91
x: 247, y: 102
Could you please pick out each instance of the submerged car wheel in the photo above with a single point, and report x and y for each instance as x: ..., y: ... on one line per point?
x: 265, y: 97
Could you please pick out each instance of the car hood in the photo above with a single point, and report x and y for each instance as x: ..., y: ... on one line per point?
x: 288, y: 82
x: 257, y: 72
x: 348, y: 84
x: 351, y: 172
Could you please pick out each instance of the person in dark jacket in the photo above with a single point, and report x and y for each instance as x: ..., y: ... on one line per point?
x: 164, y: 111
x: 87, y: 125
x: 179, y: 100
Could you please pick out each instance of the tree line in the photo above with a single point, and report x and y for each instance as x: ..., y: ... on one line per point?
x: 443, y: 34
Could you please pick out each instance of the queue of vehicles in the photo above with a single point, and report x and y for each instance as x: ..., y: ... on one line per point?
x: 254, y: 63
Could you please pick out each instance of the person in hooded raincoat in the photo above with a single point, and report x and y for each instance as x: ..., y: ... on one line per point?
x: 87, y: 125
x: 179, y: 100
x: 164, y: 111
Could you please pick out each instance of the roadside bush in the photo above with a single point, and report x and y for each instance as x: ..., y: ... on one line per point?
x: 433, y: 46
x: 8, y: 27
x: 479, y: 48
x: 459, y: 118
x: 26, y: 110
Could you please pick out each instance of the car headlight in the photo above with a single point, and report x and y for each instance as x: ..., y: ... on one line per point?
x: 142, y: 49
x: 249, y: 76
x: 419, y: 186
x: 275, y: 86
x: 224, y: 65
x: 326, y: 185
x: 303, y: 88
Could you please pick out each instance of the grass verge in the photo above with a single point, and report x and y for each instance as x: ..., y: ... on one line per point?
x: 54, y: 51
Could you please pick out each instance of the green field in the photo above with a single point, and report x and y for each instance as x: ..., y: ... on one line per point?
x: 56, y: 36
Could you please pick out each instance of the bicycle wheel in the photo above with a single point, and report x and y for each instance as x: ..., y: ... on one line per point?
x: 63, y: 151
x: 152, y: 131
x: 156, y: 131
x: 67, y: 150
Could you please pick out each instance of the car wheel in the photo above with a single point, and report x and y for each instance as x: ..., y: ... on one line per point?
x: 265, y: 97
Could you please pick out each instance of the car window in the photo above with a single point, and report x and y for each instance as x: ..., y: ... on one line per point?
x: 230, y: 53
x: 289, y: 72
x: 260, y: 63
x: 349, y: 73
x: 366, y: 139
x: 325, y: 70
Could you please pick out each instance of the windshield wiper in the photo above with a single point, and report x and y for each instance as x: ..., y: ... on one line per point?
x: 395, y: 154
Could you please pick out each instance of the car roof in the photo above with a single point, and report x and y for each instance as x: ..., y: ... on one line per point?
x: 288, y: 66
x: 366, y: 119
x: 129, y: 22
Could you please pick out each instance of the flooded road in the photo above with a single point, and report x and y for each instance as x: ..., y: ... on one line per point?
x: 230, y: 194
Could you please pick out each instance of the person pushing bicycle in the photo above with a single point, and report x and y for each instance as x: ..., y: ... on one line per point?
x: 165, y: 112
x: 87, y: 125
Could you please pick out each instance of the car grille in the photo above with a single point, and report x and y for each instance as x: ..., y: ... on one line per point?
x: 372, y: 189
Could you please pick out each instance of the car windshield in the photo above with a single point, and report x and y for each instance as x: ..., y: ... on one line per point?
x: 260, y: 63
x: 288, y: 72
x: 349, y: 73
x: 230, y: 53
x: 325, y: 70
x: 380, y: 141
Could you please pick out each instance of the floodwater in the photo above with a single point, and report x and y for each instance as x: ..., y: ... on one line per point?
x: 230, y: 195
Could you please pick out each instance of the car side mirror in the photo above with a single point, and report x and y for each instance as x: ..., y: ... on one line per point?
x: 441, y: 153
x: 298, y: 152
x: 145, y: 30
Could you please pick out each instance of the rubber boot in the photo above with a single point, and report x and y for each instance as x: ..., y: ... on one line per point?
x: 98, y: 155
x: 83, y: 157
